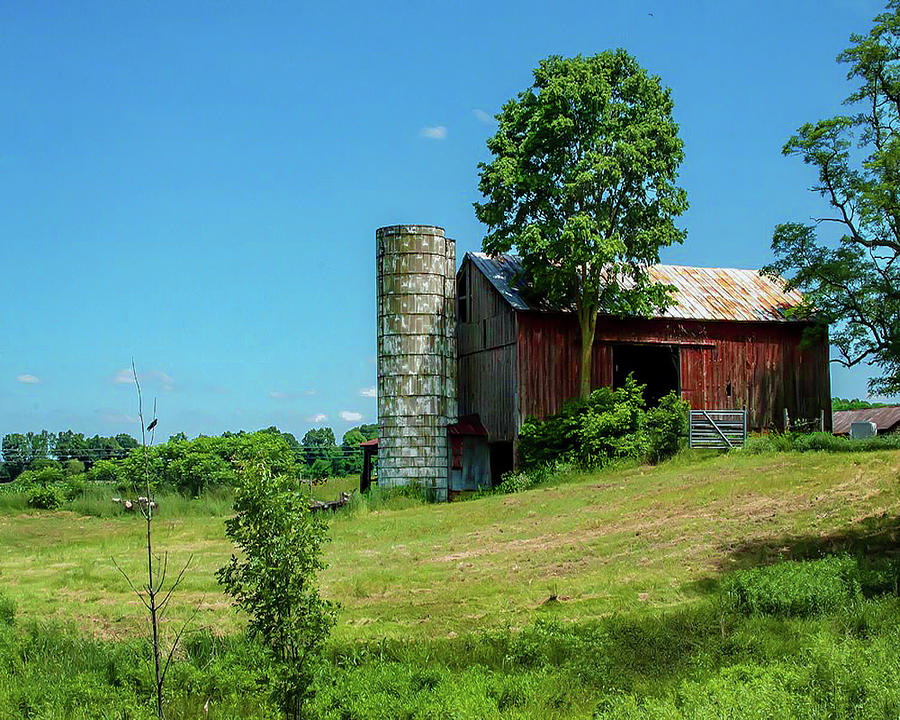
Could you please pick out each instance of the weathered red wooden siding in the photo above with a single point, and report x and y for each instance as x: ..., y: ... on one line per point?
x: 764, y: 362
x: 486, y: 344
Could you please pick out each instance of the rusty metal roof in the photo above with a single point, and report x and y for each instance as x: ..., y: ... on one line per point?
x: 468, y: 425
x: 886, y: 419
x: 700, y: 293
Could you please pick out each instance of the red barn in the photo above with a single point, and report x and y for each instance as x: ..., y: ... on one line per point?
x: 728, y: 342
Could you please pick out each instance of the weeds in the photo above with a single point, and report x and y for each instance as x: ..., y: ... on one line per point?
x: 707, y: 660
x: 818, y: 441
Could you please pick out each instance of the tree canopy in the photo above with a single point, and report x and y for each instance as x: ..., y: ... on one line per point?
x: 583, y: 185
x: 851, y: 278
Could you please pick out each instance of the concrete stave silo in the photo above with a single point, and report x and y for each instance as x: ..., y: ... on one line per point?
x: 416, y: 301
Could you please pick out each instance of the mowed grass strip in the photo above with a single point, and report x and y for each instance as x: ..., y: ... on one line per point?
x: 640, y: 539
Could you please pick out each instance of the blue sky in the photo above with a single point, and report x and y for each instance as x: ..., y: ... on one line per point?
x: 197, y: 185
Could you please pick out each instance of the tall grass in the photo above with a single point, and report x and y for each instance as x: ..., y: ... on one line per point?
x: 819, y: 441
x: 712, y: 659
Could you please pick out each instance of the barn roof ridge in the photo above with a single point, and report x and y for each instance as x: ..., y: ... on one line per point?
x: 702, y: 293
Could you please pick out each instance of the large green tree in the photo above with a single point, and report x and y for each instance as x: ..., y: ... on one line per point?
x: 583, y: 184
x: 852, y: 277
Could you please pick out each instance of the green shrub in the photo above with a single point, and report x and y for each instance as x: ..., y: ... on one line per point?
x: 758, y: 445
x: 608, y: 425
x: 613, y: 426
x: 49, y: 476
x: 275, y: 580
x: 73, y: 488
x: 667, y: 427
x: 104, y: 471
x: 514, y: 482
x: 73, y: 467
x: 818, y: 441
x: 43, y: 463
x: 45, y: 497
x: 800, y: 588
x: 517, y: 481
x: 196, y: 471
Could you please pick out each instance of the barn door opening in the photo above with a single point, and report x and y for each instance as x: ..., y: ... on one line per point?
x: 656, y: 366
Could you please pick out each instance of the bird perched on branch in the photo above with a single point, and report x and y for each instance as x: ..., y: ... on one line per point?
x: 151, y: 425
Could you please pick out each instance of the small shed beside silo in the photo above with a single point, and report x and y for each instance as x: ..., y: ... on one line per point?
x: 469, y: 455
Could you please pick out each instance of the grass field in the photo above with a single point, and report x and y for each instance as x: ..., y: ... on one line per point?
x: 632, y: 593
x: 633, y: 540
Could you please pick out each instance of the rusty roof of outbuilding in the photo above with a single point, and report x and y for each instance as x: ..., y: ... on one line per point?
x: 885, y: 419
x: 700, y: 293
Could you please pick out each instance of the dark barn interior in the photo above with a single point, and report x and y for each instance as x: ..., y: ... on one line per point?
x: 656, y: 366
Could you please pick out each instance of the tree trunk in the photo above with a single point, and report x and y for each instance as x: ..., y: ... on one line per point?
x: 587, y: 319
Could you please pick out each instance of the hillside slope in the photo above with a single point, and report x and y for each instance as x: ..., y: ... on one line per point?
x: 640, y: 539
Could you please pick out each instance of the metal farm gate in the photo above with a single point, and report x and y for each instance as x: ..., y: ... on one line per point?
x: 722, y: 429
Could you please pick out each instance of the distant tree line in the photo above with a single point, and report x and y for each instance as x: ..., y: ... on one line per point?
x: 33, y: 450
x: 854, y: 404
x: 188, y: 465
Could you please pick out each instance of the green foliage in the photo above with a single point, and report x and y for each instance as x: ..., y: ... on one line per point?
x: 20, y: 451
x: 818, y: 441
x: 796, y: 588
x: 583, y: 184
x: 45, y: 497
x: 49, y: 475
x: 667, y: 427
x: 610, y: 425
x: 195, y: 466
x: 854, y: 404
x: 275, y: 579
x: 198, y: 469
x: 73, y: 467
x: 73, y: 488
x: 42, y: 463
x: 521, y: 480
x: 852, y: 280
x: 677, y: 664
x: 104, y: 471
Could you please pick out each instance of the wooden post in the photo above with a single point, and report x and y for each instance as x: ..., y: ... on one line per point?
x: 787, y: 421
x: 822, y: 420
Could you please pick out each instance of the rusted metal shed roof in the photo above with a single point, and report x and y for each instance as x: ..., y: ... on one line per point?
x: 886, y: 419
x: 700, y: 293
x: 468, y: 425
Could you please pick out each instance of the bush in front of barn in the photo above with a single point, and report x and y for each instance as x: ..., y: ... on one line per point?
x: 667, y: 427
x: 607, y: 426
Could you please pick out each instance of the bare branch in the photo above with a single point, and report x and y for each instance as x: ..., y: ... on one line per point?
x: 177, y: 582
x: 130, y: 584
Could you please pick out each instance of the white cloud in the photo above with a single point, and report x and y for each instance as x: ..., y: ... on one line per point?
x: 119, y: 419
x: 126, y: 377
x: 350, y: 416
x: 279, y: 395
x: 369, y: 392
x: 123, y: 377
x: 28, y: 379
x: 165, y: 380
x: 321, y: 417
x: 482, y: 116
x: 438, y: 132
